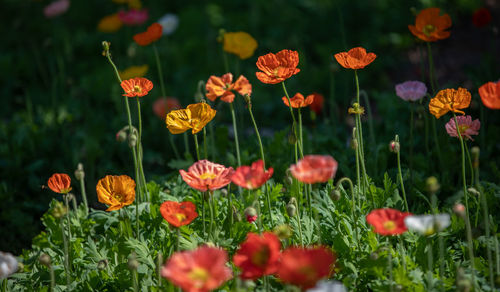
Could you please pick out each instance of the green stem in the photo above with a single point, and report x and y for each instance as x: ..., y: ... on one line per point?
x: 356, y: 145
x: 301, y: 140
x: 401, y: 175
x: 160, y: 72
x: 135, y: 280
x: 432, y: 79
x: 212, y: 220
x: 466, y: 147
x: 353, y: 198
x: 249, y: 105
x: 299, y: 222
x: 235, y: 129
x: 66, y: 254
x: 359, y: 131
x: 442, y: 261
x: 140, y: 155
x: 436, y: 143
x: 389, y: 265
x: 403, y: 251
x: 230, y: 213
x: 197, y: 147
x: 203, y: 197
x: 159, y: 262
x: 256, y: 203
x: 429, y: 265
x: 411, y: 144
x: 84, y: 196
x: 186, y: 143
x: 205, y: 148
x: 68, y: 220
x: 294, y: 127
x: 52, y: 278
x: 370, y: 128
x: 497, y: 254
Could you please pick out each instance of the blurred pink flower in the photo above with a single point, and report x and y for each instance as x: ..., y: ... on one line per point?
x: 56, y: 8
x: 133, y: 16
x: 411, y: 90
x: 466, y: 126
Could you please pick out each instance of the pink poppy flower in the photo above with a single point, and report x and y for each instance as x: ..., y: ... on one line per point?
x: 56, y: 8
x: 466, y: 126
x: 314, y: 169
x: 204, y: 175
x: 411, y: 90
x: 133, y: 17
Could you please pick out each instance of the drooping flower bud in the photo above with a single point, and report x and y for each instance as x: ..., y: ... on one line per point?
x: 394, y: 146
x: 121, y: 136
x: 45, y: 260
x: 132, y: 140
x: 291, y: 207
x: 251, y: 214
x: 335, y: 195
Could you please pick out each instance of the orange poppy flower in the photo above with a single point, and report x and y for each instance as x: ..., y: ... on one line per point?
x: 178, y: 214
x: 162, y: 106
x: 151, y: 35
x: 223, y: 87
x: 116, y: 191
x: 138, y: 86
x: 449, y: 100
x: 387, y: 221
x: 252, y: 177
x: 195, y: 116
x: 490, y: 94
x: 314, y: 169
x: 356, y: 58
x: 430, y: 26
x: 277, y: 67
x: 298, y: 100
x: 204, y: 175
x: 60, y: 183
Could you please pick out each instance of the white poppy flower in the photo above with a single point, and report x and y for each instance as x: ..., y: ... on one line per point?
x: 427, y: 224
x: 328, y: 286
x: 169, y: 23
x: 8, y: 265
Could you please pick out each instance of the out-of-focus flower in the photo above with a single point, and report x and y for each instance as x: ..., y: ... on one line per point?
x: 277, y: 67
x: 258, y: 255
x: 411, y: 90
x: 449, y: 100
x: 8, y: 265
x: 169, y: 22
x: 178, y: 214
x: 58, y: 210
x: 133, y: 17
x: 356, y: 109
x: 252, y: 177
x: 314, y: 169
x: 481, y: 17
x: 202, y: 269
x: 328, y: 286
x: 318, y: 102
x: 466, y: 126
x: 356, y: 58
x: 430, y: 26
x: 110, y: 23
x: 298, y: 100
x: 136, y: 87
x: 432, y: 185
x: 240, y: 43
x: 490, y: 94
x: 133, y: 72
x: 60, y: 183
x: 152, y: 34
x: 387, y: 221
x: 251, y: 214
x: 204, y: 175
x: 304, y: 267
x: 56, y: 8
x: 163, y: 105
x: 283, y: 231
x: 223, y: 87
x: 134, y: 4
x: 195, y: 116
x: 427, y: 224
x: 459, y: 210
x: 116, y: 191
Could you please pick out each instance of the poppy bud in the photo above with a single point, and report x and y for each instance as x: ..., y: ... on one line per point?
x: 102, y: 264
x: 473, y: 191
x: 459, y: 210
x: 220, y: 36
x: 251, y: 214
x: 105, y: 47
x: 133, y: 264
x: 374, y: 256
x: 335, y: 195
x: 394, y: 146
x: 289, y: 180
x: 248, y: 100
x: 79, y: 173
x: 121, y: 136
x: 132, y: 140
x: 223, y: 192
x: 45, y: 260
x: 283, y: 231
x: 292, y: 139
x: 354, y: 143
x: 59, y: 210
x: 432, y: 185
x: 475, y: 156
x: 291, y: 207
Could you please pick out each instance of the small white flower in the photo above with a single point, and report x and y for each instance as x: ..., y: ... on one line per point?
x: 169, y: 23
x: 427, y: 224
x: 8, y: 265
x: 328, y: 286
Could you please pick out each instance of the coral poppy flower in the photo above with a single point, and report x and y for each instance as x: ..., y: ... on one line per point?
x: 116, y: 191
x: 252, y: 177
x: 317, y: 104
x: 162, y: 106
x: 258, y: 255
x: 133, y: 72
x: 387, y: 221
x: 136, y: 87
x: 152, y: 34
x: 314, y: 169
x: 133, y: 17
x: 277, y: 67
x: 298, y: 100
x: 427, y: 224
x: 199, y: 270
x: 411, y: 90
x: 430, y: 26
x: 60, y: 183
x: 239, y: 43
x: 466, y: 126
x: 490, y: 94
x: 481, y: 17
x: 204, y: 175
x: 305, y: 266
x: 355, y: 58
x: 110, y: 23
x: 195, y: 116
x: 178, y: 214
x: 223, y: 87
x: 449, y: 100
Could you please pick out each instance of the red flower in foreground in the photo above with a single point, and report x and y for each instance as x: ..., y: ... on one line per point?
x: 490, y: 94
x: 163, y: 105
x: 60, y: 183
x: 314, y: 169
x: 199, y: 270
x: 481, y: 17
x: 298, y: 100
x: 355, y: 58
x: 258, y: 255
x: 277, y: 67
x: 252, y: 177
x: 387, y: 221
x: 305, y: 266
x: 223, y: 87
x: 138, y: 86
x: 204, y: 175
x: 178, y: 214
x: 317, y: 104
x: 152, y: 34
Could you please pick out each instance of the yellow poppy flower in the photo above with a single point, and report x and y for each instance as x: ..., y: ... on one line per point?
x: 449, y: 100
x: 116, y: 191
x: 240, y: 43
x: 110, y: 23
x: 195, y: 116
x: 133, y: 72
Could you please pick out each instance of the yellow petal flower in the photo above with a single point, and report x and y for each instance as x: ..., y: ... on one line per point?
x: 178, y: 121
x: 240, y: 43
x: 133, y: 72
x: 449, y: 100
x: 110, y: 23
x: 116, y: 191
x: 195, y: 117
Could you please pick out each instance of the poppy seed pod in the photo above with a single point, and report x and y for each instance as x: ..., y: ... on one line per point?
x: 45, y: 260
x: 335, y: 195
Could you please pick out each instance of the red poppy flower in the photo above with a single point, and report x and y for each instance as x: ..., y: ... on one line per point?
x: 252, y: 177
x: 355, y: 58
x: 387, y: 221
x: 162, y: 106
x: 199, y: 270
x: 298, y: 100
x: 317, y: 104
x: 314, y: 169
x: 204, y: 175
x: 258, y: 255
x: 223, y: 87
x: 138, y: 86
x: 305, y: 266
x: 152, y: 34
x: 490, y: 94
x: 481, y: 17
x: 178, y: 214
x: 430, y: 26
x: 277, y: 67
x: 60, y: 183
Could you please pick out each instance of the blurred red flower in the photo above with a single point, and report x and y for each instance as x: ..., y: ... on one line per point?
x: 318, y: 102
x: 133, y: 16
x: 490, y: 94
x: 252, y: 177
x: 138, y: 86
x: 163, y: 105
x: 430, y: 26
x: 223, y: 87
x: 204, y: 175
x: 314, y: 169
x: 178, y: 214
x: 355, y: 58
x: 298, y: 100
x: 152, y: 34
x: 60, y: 183
x: 277, y: 67
x: 481, y: 17
x: 387, y: 221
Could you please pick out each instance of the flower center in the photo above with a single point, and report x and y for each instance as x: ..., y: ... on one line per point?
x: 428, y: 29
x: 208, y: 175
x: 261, y: 257
x: 389, y: 225
x: 181, y: 217
x: 118, y: 197
x: 199, y: 276
x: 462, y: 129
x: 137, y: 88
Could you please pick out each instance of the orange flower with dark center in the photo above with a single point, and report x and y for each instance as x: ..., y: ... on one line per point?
x: 152, y: 34
x: 258, y: 255
x: 204, y: 175
x: 490, y: 94
x: 138, y: 86
x: 430, y: 26
x: 178, y: 214
x: 314, y: 169
x: 116, y: 191
x: 387, y: 221
x: 449, y: 100
x: 252, y: 177
x: 224, y: 87
x: 277, y: 67
x: 298, y: 100
x: 356, y: 58
x: 60, y: 183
